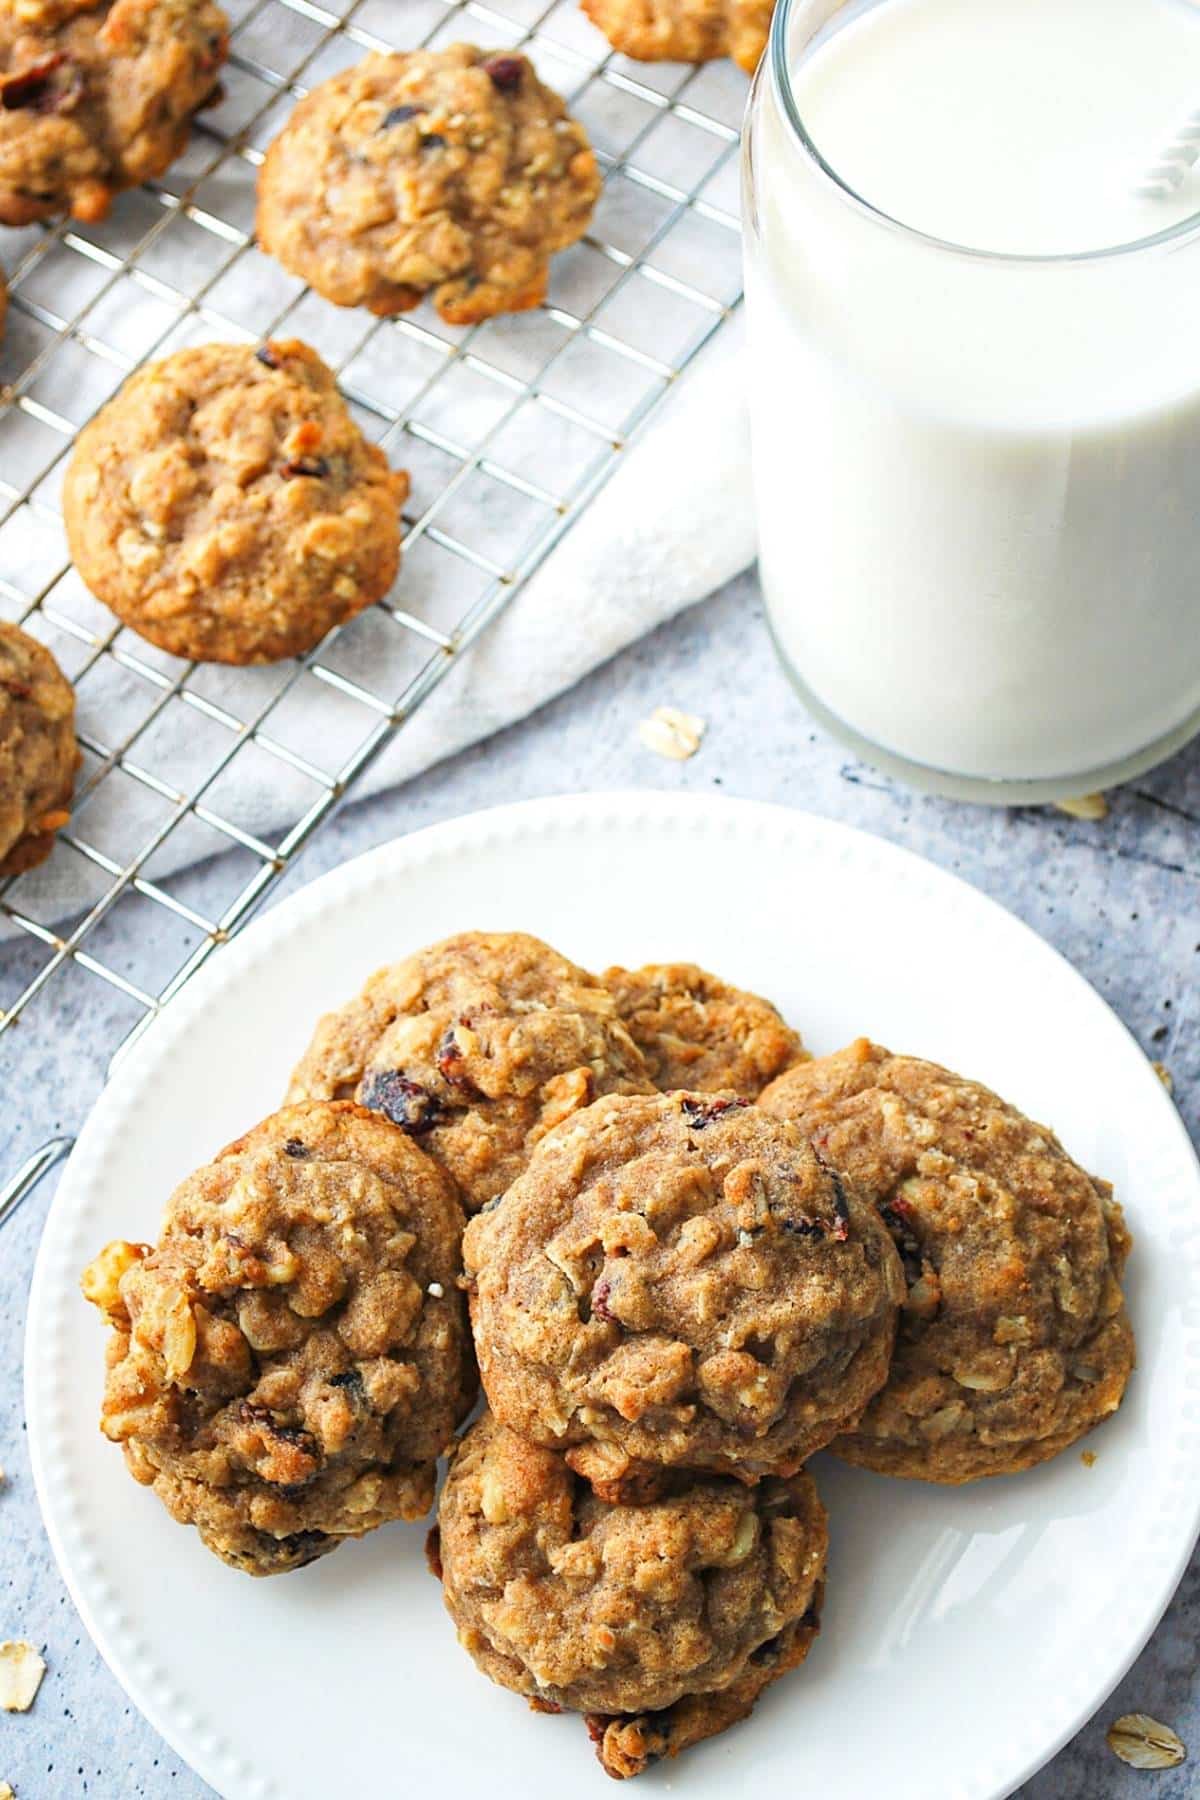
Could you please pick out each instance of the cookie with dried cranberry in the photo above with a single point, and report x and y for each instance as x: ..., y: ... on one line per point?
x: 477, y: 1046
x: 228, y: 508
x: 290, y: 1359
x: 38, y: 752
x: 696, y: 1032
x: 662, y: 1621
x: 454, y: 173
x: 685, y: 30
x: 95, y: 98
x: 678, y: 1282
x: 1014, y: 1336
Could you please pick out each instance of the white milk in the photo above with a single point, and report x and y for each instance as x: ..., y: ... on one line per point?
x: 979, y: 476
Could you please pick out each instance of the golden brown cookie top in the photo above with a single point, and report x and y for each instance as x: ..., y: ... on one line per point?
x: 679, y: 1281
x: 477, y: 1047
x: 697, y: 1032
x: 290, y: 1359
x: 1014, y: 1337
x: 95, y: 98
x: 618, y: 1609
x: 685, y: 30
x: 227, y: 507
x: 454, y: 172
x: 38, y: 752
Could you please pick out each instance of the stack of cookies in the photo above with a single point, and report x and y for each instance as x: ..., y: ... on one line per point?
x: 692, y: 1257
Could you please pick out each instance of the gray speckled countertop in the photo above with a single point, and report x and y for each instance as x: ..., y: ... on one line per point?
x: 1121, y: 899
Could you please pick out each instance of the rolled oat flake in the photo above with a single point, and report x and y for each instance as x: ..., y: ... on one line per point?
x: 1143, y: 1743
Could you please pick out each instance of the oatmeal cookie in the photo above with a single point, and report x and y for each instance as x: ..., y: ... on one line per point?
x: 697, y: 1033
x: 662, y: 1620
x: 477, y: 1046
x: 96, y: 98
x: 38, y: 753
x: 685, y: 30
x: 1014, y: 1339
x: 291, y: 1358
x: 678, y: 1281
x: 227, y: 507
x: 453, y: 172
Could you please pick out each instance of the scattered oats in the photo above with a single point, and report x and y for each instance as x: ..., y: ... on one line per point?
x: 436, y: 1289
x: 1164, y: 1075
x: 6, y: 1792
x: 669, y: 732
x: 1088, y: 1458
x: 21, y: 1671
x: 1092, y: 807
x: 1143, y: 1743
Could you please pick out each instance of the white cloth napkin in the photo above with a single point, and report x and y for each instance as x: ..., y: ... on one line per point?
x: 670, y: 526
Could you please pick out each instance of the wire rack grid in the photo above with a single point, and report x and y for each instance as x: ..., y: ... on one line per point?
x: 507, y: 429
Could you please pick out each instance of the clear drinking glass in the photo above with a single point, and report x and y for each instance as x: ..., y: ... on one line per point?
x: 977, y: 475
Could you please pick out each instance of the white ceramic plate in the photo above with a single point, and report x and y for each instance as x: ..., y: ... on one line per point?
x: 968, y: 1633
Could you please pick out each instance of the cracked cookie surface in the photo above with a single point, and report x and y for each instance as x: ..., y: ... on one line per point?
x: 697, y: 1032
x: 289, y: 1360
x: 97, y: 98
x: 685, y: 30
x: 677, y: 1281
x: 226, y: 506
x: 477, y: 1047
x: 667, y: 1609
x: 1014, y: 1339
x: 454, y: 173
x: 38, y: 752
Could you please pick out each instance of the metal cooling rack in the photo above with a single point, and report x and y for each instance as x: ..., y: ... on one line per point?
x: 508, y: 430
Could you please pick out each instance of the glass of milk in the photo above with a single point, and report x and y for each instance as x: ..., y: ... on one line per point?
x: 975, y: 383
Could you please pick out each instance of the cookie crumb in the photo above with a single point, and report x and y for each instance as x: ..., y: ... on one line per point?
x: 1164, y: 1075
x: 1144, y: 1743
x: 670, y: 732
x: 1089, y: 807
x: 21, y: 1671
x: 1088, y: 1458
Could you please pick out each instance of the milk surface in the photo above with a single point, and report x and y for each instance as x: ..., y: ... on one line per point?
x: 1020, y: 127
x: 979, y: 480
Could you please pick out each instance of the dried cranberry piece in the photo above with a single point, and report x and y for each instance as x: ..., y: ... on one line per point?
x: 314, y: 466
x: 450, y: 1059
x: 399, y: 115
x: 267, y: 356
x: 505, y: 72
x: 31, y: 87
x: 406, y: 1103
x: 294, y: 1147
x: 19, y: 690
x: 803, y: 1226
x: 841, y: 1208
x: 701, y: 1113
x: 601, y: 1295
x: 433, y: 1553
x: 251, y: 1412
x: 432, y: 140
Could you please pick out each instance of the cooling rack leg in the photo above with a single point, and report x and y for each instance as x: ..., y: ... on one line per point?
x: 30, y: 1173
